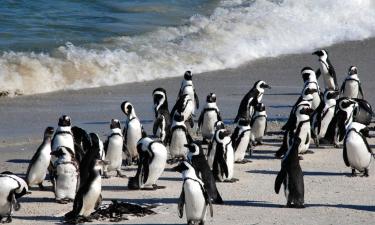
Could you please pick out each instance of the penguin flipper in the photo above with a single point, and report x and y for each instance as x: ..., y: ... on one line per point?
x: 318, y: 73
x: 219, y: 115
x: 345, y: 154
x: 280, y: 179
x: 235, y: 138
x: 181, y: 202
x: 360, y: 90
x: 196, y: 100
x: 200, y: 120
x: 157, y: 123
x: 221, y: 160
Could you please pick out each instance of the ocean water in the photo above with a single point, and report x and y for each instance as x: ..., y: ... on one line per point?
x: 69, y: 44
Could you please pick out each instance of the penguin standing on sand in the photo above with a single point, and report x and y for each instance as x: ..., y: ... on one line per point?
x: 12, y: 188
x: 179, y: 138
x: 37, y: 170
x: 209, y: 116
x: 193, y: 195
x: 326, y: 69
x: 310, y: 81
x: 198, y: 160
x: 251, y: 99
x: 133, y: 130
x: 88, y: 197
x: 258, y: 124
x: 357, y: 152
x: 162, y: 123
x: 152, y: 162
x: 66, y: 175
x: 241, y: 140
x: 63, y: 136
x: 187, y: 87
x: 351, y: 87
x: 292, y: 177
x: 113, y: 148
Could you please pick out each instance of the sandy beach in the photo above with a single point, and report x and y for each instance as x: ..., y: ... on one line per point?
x: 331, y: 196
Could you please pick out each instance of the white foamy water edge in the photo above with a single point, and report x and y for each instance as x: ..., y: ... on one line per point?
x: 237, y: 32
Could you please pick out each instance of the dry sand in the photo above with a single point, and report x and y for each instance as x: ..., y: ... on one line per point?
x: 331, y: 196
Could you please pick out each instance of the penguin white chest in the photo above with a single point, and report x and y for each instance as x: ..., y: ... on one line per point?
x: 240, y: 152
x: 134, y: 133
x: 230, y: 161
x: 38, y: 170
x: 195, y: 202
x: 258, y: 128
x: 157, y: 165
x: 305, y: 136
x: 208, y: 125
x: 5, y: 188
x: 63, y: 140
x: 66, y: 182
x: 114, y: 153
x: 351, y: 89
x: 326, y: 120
x: 358, y: 155
x: 91, y: 197
x: 178, y: 141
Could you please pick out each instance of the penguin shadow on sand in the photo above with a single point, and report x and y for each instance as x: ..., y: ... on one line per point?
x: 50, y: 219
x: 18, y: 161
x: 367, y: 208
x: 247, y: 203
x: 263, y: 154
x: 305, y: 173
x: 150, y: 201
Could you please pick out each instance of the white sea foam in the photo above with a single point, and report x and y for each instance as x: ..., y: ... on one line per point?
x: 235, y: 33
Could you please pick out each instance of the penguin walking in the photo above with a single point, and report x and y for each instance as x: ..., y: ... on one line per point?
x: 187, y: 87
x: 193, y: 195
x: 208, y: 117
x: 253, y: 97
x: 179, y: 138
x: 88, y: 197
x: 113, y: 148
x: 357, y: 152
x: 241, y: 140
x: 133, y: 130
x: 162, y: 123
x: 66, y: 175
x: 152, y: 162
x: 291, y: 176
x: 258, y: 124
x: 37, y: 170
x: 311, y: 82
x: 326, y: 69
x: 12, y: 188
x: 351, y: 87
x: 221, y: 156
x: 322, y: 118
x: 199, y: 162
x: 184, y: 106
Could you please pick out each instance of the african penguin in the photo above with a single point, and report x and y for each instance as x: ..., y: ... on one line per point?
x: 179, y: 138
x: 66, y: 175
x: 12, y: 188
x: 357, y: 152
x: 253, y: 97
x: 351, y: 87
x: 258, y: 124
x: 194, y: 195
x: 327, y: 70
x: 152, y: 161
x: 162, y: 123
x: 37, y: 170
x: 63, y: 136
x: 198, y: 160
x: 209, y: 115
x: 133, y: 130
x: 113, y: 148
x: 187, y: 87
x: 310, y: 81
x: 241, y: 140
x: 291, y: 176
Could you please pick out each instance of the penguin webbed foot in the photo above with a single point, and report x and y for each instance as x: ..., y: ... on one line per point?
x: 365, y: 174
x: 353, y: 174
x: 336, y: 145
x: 8, y: 220
x: 243, y: 161
x: 233, y: 180
x: 119, y: 174
x: 309, y: 152
x: 155, y: 186
x: 41, y: 187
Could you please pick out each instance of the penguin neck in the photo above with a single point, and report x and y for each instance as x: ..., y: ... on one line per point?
x: 260, y: 113
x: 64, y: 129
x: 329, y: 103
x: 160, y: 104
x: 178, y: 123
x: 352, y: 77
x: 211, y: 105
x: 244, y: 128
x: 116, y: 131
x: 132, y: 115
x: 190, y: 174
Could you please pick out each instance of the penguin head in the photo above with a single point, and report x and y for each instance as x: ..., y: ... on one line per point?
x: 183, y: 166
x: 211, y: 98
x: 330, y: 94
x: 347, y: 103
x: 160, y: 97
x: 221, y: 134
x: 261, y: 85
x: 64, y: 121
x: 352, y: 70
x: 307, y: 94
x: 260, y: 107
x: 188, y: 75
x: 23, y: 189
x: 243, y: 122
x: 48, y: 132
x: 178, y: 117
x: 195, y: 149
x: 219, y: 125
x: 306, y: 73
x: 306, y: 111
x: 127, y: 108
x: 321, y: 53
x: 100, y: 165
x: 115, y: 123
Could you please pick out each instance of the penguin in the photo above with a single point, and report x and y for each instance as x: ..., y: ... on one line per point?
x: 113, y: 148
x: 221, y: 156
x: 179, y: 137
x: 133, y: 130
x: 194, y: 195
x: 66, y: 175
x: 63, y: 136
x: 208, y: 117
x: 37, y: 170
x: 322, y: 118
x: 351, y: 87
x: 184, y: 106
x: 88, y: 197
x: 258, y: 124
x: 303, y: 127
x: 162, y: 123
x: 82, y: 142
x: 357, y: 152
x: 241, y: 140
x: 310, y: 81
x: 199, y: 162
x: 152, y: 162
x: 253, y: 97
x: 12, y: 188
x: 291, y: 176
x: 327, y: 70
x: 187, y: 87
